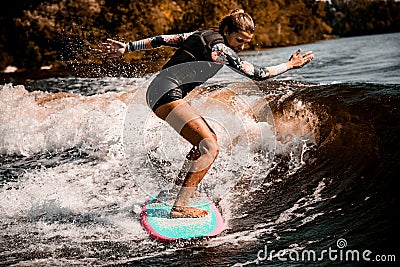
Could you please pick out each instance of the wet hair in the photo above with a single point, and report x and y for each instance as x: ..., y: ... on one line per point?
x: 237, y: 21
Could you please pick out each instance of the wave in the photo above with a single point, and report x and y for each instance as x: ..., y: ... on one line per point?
x: 287, y: 120
x: 35, y: 122
x: 41, y: 129
x: 300, y: 165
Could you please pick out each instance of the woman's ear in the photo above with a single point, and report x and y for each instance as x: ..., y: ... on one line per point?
x: 225, y: 31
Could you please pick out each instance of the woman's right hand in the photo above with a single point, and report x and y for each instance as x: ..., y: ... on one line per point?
x: 113, y: 48
x: 298, y: 61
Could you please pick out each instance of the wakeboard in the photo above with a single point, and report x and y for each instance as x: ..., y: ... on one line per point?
x: 155, y: 219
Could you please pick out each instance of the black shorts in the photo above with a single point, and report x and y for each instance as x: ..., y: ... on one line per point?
x: 179, y: 92
x: 177, y: 81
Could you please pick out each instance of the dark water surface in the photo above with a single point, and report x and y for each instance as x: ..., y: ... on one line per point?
x: 315, y: 182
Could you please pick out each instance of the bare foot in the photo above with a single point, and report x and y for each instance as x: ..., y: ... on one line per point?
x: 187, y: 212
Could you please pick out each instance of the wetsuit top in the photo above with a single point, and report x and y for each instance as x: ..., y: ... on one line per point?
x: 220, y: 53
x: 197, y: 47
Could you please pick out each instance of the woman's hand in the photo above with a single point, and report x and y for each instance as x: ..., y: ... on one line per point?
x: 113, y: 48
x: 297, y: 61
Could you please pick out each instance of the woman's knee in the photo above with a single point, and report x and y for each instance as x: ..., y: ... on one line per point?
x: 209, y: 147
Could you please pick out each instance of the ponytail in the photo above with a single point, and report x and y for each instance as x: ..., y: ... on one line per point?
x: 237, y: 21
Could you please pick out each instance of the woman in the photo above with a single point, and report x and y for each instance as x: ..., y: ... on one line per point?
x: 235, y: 30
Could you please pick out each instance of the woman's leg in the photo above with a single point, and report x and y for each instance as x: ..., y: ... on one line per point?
x: 193, y: 154
x: 190, y: 125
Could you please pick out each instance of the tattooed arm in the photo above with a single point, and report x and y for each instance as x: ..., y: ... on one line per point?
x: 116, y: 48
x: 174, y: 40
x: 223, y: 54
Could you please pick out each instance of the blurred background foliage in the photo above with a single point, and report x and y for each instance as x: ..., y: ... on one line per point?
x: 62, y: 32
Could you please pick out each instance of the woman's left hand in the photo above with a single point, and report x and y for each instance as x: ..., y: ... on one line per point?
x: 113, y: 48
x: 297, y: 61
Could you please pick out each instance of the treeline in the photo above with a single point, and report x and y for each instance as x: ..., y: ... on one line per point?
x: 361, y: 17
x: 59, y: 32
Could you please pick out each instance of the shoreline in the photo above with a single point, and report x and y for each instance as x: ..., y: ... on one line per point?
x: 84, y: 70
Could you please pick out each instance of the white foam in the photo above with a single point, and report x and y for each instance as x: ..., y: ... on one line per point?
x: 28, y: 127
x: 244, y: 143
x: 101, y: 199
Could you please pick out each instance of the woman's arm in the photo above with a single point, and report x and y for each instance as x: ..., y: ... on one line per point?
x: 223, y: 54
x: 116, y: 48
x: 174, y: 40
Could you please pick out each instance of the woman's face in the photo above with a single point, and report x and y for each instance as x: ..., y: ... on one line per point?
x: 237, y: 40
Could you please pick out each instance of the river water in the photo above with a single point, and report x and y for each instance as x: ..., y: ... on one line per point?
x: 306, y: 173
